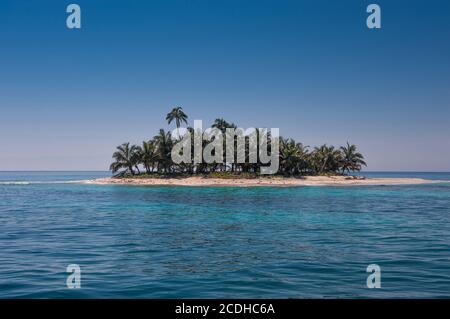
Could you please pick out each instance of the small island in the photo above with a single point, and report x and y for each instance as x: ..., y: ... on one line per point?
x: 298, y: 165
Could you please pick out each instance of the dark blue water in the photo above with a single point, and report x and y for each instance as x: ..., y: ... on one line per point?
x: 205, y: 242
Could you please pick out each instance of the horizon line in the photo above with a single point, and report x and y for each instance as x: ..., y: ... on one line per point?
x: 107, y: 171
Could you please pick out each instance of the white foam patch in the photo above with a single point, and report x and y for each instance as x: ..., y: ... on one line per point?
x: 40, y: 182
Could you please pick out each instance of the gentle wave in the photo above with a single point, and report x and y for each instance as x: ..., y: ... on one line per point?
x: 179, y: 242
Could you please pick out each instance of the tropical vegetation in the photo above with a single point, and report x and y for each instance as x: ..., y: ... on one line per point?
x: 295, y: 159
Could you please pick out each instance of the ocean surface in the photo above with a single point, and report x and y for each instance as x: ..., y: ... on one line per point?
x: 222, y: 242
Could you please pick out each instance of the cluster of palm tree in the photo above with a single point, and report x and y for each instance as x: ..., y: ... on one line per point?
x: 154, y: 156
x: 295, y: 158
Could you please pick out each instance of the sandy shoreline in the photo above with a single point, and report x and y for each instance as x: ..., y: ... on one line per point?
x: 273, y: 181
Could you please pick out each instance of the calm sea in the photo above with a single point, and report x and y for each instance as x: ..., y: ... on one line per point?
x: 208, y: 242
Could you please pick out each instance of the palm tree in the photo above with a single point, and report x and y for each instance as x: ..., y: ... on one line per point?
x: 326, y: 159
x: 164, y: 143
x: 148, y: 155
x: 222, y: 125
x: 125, y: 157
x: 304, y: 158
x: 352, y: 160
x: 293, y: 156
x: 178, y: 115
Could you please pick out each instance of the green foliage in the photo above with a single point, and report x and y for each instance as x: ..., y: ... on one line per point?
x: 126, y: 157
x: 295, y: 158
x: 178, y: 115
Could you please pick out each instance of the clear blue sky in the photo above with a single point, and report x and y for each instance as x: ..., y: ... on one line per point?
x: 311, y: 68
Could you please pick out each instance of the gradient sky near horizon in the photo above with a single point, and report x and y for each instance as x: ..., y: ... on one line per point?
x: 311, y: 68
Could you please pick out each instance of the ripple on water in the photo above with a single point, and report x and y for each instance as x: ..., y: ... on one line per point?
x: 169, y: 242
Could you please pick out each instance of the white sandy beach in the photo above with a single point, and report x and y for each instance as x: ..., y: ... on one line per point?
x: 264, y: 181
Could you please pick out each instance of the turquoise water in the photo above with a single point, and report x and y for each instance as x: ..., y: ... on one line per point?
x: 205, y: 242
